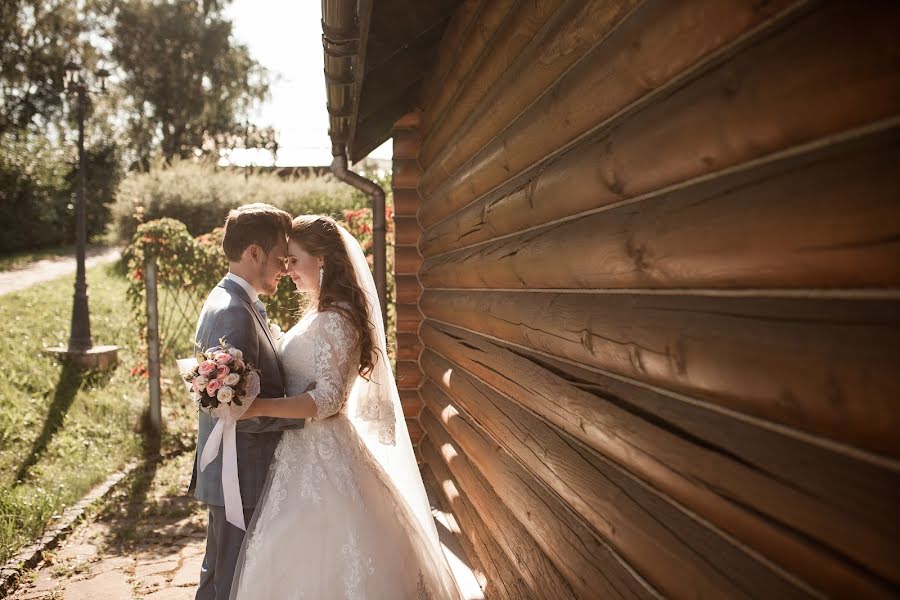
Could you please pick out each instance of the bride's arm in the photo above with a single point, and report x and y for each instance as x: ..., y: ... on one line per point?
x: 292, y: 407
x: 334, y: 367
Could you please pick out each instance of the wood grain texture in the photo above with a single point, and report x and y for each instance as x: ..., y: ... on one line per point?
x: 406, y: 260
x: 571, y: 35
x: 752, y: 503
x: 411, y: 402
x: 652, y: 47
x: 514, y: 539
x: 408, y: 318
x: 511, y: 40
x: 546, y: 529
x: 406, y: 143
x: 822, y: 219
x: 471, y: 52
x: 461, y: 23
x: 407, y: 288
x: 826, y: 367
x: 406, y: 202
x: 503, y: 580
x: 438, y: 497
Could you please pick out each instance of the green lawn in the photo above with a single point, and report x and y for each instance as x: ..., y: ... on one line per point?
x: 62, y: 432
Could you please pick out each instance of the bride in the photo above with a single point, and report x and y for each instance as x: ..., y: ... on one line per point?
x: 344, y: 513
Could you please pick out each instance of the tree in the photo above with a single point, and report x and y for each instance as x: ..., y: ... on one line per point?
x: 191, y: 86
x: 36, y: 38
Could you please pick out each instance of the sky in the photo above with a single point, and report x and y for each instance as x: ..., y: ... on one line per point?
x: 286, y: 37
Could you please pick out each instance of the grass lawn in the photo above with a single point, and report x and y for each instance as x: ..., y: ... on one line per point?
x: 61, y: 431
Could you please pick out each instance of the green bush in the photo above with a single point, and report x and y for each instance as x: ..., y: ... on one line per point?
x: 201, y: 194
x: 37, y: 192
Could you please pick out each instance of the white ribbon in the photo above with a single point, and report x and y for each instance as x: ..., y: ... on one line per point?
x: 224, y: 435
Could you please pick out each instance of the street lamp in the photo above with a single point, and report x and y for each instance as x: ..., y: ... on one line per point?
x: 81, y: 350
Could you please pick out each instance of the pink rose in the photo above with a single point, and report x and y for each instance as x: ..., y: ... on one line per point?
x: 213, y: 386
x: 199, y: 383
x: 223, y: 358
x: 206, y: 368
x: 238, y: 365
x: 222, y: 371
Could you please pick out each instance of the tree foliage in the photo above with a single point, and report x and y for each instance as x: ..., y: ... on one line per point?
x: 191, y: 86
x: 36, y: 39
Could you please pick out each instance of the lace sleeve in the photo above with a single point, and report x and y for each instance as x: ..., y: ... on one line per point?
x: 336, y: 365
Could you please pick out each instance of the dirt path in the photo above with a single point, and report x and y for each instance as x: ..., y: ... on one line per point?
x: 51, y: 268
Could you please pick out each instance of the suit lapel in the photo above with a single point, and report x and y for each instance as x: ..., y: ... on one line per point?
x: 236, y: 289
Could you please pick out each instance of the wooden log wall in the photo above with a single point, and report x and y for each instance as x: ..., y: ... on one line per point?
x: 657, y: 303
x: 407, y: 261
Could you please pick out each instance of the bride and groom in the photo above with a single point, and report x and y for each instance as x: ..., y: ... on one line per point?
x: 329, y: 487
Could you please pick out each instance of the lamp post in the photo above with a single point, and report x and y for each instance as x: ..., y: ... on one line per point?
x: 81, y: 350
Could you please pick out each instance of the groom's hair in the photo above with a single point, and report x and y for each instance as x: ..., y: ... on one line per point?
x: 260, y: 224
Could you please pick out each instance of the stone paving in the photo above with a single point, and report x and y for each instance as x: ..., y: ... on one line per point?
x: 147, y: 543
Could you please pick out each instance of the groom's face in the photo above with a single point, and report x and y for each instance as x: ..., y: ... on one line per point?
x: 271, y: 268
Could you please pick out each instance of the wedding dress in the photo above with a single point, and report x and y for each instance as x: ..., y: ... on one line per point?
x: 344, y: 513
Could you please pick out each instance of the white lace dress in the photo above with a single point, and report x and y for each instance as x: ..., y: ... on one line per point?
x: 330, y: 524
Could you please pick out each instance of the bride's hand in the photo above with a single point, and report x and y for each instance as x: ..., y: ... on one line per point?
x: 252, y: 411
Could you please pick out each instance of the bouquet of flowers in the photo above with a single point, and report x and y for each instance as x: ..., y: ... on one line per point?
x: 221, y: 378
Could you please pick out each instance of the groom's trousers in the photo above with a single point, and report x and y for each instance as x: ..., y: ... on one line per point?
x: 223, y: 544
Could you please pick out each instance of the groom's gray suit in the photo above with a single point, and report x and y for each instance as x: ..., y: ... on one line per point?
x: 229, y: 314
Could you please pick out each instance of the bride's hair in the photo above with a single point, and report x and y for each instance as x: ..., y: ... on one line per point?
x: 319, y: 235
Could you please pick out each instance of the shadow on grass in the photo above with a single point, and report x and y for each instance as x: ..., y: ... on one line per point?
x: 70, y: 381
x: 138, y: 489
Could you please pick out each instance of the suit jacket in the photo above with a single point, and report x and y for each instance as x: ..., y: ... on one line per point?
x: 229, y: 314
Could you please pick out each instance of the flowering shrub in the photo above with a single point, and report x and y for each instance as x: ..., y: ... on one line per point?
x: 189, y: 267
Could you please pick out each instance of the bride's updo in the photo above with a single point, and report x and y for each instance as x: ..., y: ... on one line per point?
x: 319, y: 236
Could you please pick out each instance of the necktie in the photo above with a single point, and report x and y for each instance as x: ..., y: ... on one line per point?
x: 261, y: 309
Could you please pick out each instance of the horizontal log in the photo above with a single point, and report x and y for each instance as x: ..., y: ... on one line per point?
x: 527, y: 23
x: 405, y: 173
x: 823, y: 219
x: 577, y: 28
x: 406, y: 143
x: 411, y: 402
x: 439, y: 501
x: 682, y: 558
x: 495, y: 15
x: 461, y: 22
x: 826, y: 367
x: 515, y: 541
x: 408, y: 318
x: 410, y: 120
x: 406, y: 231
x: 747, y: 502
x: 408, y: 288
x: 648, y: 53
x: 503, y: 580
x: 862, y: 486
x: 409, y: 375
x: 414, y: 427
x: 406, y: 260
x: 671, y: 140
x: 525, y: 522
x: 408, y: 346
x: 406, y: 202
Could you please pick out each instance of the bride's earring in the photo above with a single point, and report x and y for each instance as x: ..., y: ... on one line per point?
x: 321, y: 276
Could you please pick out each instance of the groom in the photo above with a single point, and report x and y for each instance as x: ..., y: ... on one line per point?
x: 255, y: 244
